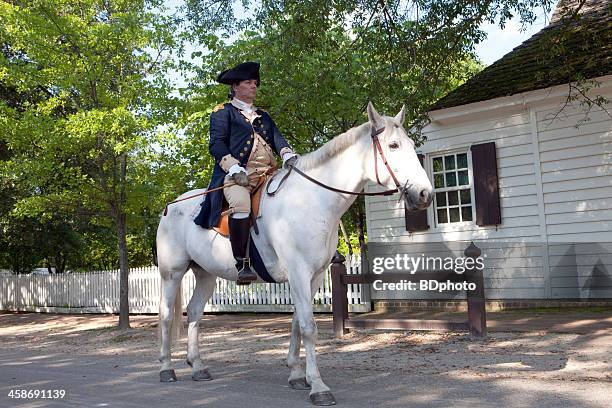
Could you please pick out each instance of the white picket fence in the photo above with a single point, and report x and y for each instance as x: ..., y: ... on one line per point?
x: 98, y: 292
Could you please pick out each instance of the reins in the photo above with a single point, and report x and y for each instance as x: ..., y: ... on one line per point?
x: 195, y: 195
x: 337, y: 190
x: 377, y: 149
x: 228, y: 184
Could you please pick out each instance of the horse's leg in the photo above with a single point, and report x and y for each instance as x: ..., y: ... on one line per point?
x: 170, y: 314
x: 205, y: 286
x: 301, y: 290
x: 297, y: 377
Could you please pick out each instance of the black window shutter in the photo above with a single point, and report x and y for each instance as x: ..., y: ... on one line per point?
x: 416, y: 220
x: 486, y: 188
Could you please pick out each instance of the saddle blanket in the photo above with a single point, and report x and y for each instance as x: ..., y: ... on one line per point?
x: 257, y: 262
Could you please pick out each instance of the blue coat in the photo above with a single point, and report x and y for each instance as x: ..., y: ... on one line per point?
x: 229, y: 133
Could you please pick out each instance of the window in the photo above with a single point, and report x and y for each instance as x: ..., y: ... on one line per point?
x: 452, y: 189
x: 466, y: 189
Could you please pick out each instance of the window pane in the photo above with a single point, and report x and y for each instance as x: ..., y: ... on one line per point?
x: 466, y: 213
x: 465, y: 197
x: 449, y: 162
x: 442, y: 216
x: 462, y: 161
x: 437, y: 164
x: 463, y: 178
x: 451, y: 179
x: 454, y: 214
x: 441, y: 199
x: 439, y: 181
x: 453, y: 198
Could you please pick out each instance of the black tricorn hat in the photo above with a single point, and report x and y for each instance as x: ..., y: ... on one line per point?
x: 241, y: 72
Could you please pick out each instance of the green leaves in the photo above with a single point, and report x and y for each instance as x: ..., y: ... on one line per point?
x: 322, y: 61
x: 83, y: 90
x: 92, y: 130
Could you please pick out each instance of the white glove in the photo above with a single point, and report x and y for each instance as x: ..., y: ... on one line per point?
x: 236, y: 168
x: 288, y: 156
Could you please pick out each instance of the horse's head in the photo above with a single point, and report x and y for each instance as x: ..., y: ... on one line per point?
x: 398, y: 150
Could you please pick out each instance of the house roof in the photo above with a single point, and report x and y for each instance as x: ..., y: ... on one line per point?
x: 566, y: 50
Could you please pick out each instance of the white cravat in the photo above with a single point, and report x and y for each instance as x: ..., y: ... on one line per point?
x: 246, y: 107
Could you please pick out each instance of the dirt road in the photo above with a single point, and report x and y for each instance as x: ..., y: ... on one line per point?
x: 529, y: 359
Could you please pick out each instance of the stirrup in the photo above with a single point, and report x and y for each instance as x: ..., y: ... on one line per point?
x: 247, y: 273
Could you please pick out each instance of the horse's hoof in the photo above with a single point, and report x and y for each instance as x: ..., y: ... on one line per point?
x: 324, y: 398
x: 167, y: 376
x: 299, y: 384
x: 202, y: 375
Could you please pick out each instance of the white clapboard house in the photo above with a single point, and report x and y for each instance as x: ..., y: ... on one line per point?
x: 521, y: 173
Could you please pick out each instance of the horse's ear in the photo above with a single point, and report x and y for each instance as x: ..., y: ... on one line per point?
x: 373, y: 116
x: 401, y: 115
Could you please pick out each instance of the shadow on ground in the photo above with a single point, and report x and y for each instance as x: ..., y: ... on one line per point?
x: 99, y: 365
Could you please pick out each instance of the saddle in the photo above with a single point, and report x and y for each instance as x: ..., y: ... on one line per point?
x: 223, y: 227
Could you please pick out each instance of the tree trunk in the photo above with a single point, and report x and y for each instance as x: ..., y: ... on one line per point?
x: 124, y: 307
x: 346, y: 240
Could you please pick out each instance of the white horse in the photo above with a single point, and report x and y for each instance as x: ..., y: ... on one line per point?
x: 297, y: 239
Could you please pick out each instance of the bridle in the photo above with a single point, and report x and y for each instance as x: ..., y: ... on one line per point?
x: 377, y: 150
x: 378, y: 147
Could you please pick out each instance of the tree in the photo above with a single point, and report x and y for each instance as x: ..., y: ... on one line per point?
x: 322, y: 60
x: 355, y: 49
x: 319, y: 73
x: 85, y: 148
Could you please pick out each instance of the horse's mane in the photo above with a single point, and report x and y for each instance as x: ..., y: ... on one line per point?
x: 330, y: 149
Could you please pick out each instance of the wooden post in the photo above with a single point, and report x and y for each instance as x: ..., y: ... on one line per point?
x: 477, y: 317
x: 339, y: 295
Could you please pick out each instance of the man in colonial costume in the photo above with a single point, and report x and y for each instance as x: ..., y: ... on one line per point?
x: 243, y: 140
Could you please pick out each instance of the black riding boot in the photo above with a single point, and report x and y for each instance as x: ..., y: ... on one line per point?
x: 239, y: 237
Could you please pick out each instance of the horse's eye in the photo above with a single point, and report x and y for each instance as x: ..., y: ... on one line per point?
x: 393, y: 145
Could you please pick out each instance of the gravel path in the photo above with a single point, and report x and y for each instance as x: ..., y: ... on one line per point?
x: 99, y: 365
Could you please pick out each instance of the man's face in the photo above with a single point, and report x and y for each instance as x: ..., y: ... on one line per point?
x: 246, y: 90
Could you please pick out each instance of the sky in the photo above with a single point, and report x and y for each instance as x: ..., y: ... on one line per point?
x: 500, y: 42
